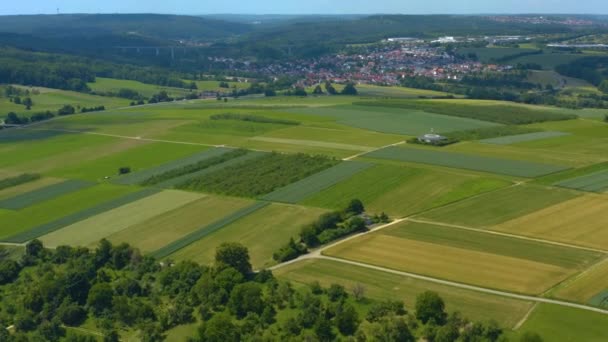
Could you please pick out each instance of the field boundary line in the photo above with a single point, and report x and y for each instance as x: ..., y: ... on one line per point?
x: 515, y: 236
x: 373, y: 150
x: 467, y: 286
x: 526, y: 316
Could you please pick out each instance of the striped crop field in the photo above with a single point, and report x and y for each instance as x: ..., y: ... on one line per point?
x: 394, y: 120
x: 40, y: 195
x: 93, y: 229
x: 466, y: 161
x: 206, y: 230
x: 263, y: 233
x: 450, y: 253
x: 170, y: 183
x: 595, y: 182
x: 513, y: 139
x: 307, y: 187
x: 156, y: 232
x: 53, y: 215
x: 499, y: 206
x: 141, y: 176
x: 27, y: 187
x: 383, y: 285
x: 562, y: 222
x: 18, y: 180
x: 588, y: 287
x: 379, y: 186
x: 37, y: 220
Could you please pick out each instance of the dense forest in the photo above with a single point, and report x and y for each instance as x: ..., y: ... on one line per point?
x: 114, y: 289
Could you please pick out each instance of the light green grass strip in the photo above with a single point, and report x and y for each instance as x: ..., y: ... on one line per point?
x: 206, y: 230
x: 46, y: 193
x: 138, y: 177
x: 170, y: 183
x: 309, y: 186
x: 513, y: 139
x: 79, y: 216
x: 595, y: 182
x: 466, y: 161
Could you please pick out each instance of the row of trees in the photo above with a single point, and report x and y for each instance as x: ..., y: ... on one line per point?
x: 114, y: 288
x: 329, y: 227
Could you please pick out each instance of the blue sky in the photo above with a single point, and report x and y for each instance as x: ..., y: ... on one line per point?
x: 303, y: 6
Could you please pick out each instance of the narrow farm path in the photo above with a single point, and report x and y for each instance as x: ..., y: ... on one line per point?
x: 525, y: 318
x: 375, y: 149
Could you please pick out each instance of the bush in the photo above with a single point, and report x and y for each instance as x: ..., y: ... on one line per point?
x: 124, y: 170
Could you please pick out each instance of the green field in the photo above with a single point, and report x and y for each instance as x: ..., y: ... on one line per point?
x: 499, y: 112
x: 279, y: 221
x: 300, y: 190
x: 16, y: 180
x: 499, y: 206
x: 95, y: 228
x: 595, y: 182
x: 154, y: 233
x: 394, y: 120
x: 143, y: 175
x: 586, y: 288
x: 382, y: 285
x: 513, y: 139
x: 557, y: 323
x: 53, y: 99
x: 379, y: 187
x: 33, y: 197
x: 27, y: 187
x: 51, y: 215
x: 206, y: 230
x: 111, y: 85
x: 466, y: 161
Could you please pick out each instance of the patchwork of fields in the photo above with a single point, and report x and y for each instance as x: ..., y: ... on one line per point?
x: 523, y: 213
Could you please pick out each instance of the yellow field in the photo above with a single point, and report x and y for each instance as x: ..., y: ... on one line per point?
x: 582, y: 288
x: 461, y: 265
x: 27, y: 187
x: 156, y: 232
x: 93, y: 229
x: 581, y: 221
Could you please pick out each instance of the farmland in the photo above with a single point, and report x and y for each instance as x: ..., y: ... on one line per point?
x: 395, y: 120
x: 280, y: 221
x: 499, y: 206
x: 267, y: 174
x: 502, y: 214
x: 93, y: 229
x: 379, y: 186
x: 381, y: 285
x: 512, y: 266
x: 561, y: 222
x: 152, y: 234
x: 466, y: 161
x: 555, y: 323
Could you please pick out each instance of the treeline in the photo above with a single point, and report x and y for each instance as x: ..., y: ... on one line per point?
x: 114, y: 288
x: 330, y: 227
x: 13, y: 119
x: 253, y: 118
x: 70, y: 72
x: 591, y: 69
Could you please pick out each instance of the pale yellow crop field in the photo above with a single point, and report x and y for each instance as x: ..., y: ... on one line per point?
x: 580, y: 221
x: 456, y: 264
x: 156, y: 232
x: 93, y: 229
x: 582, y: 288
